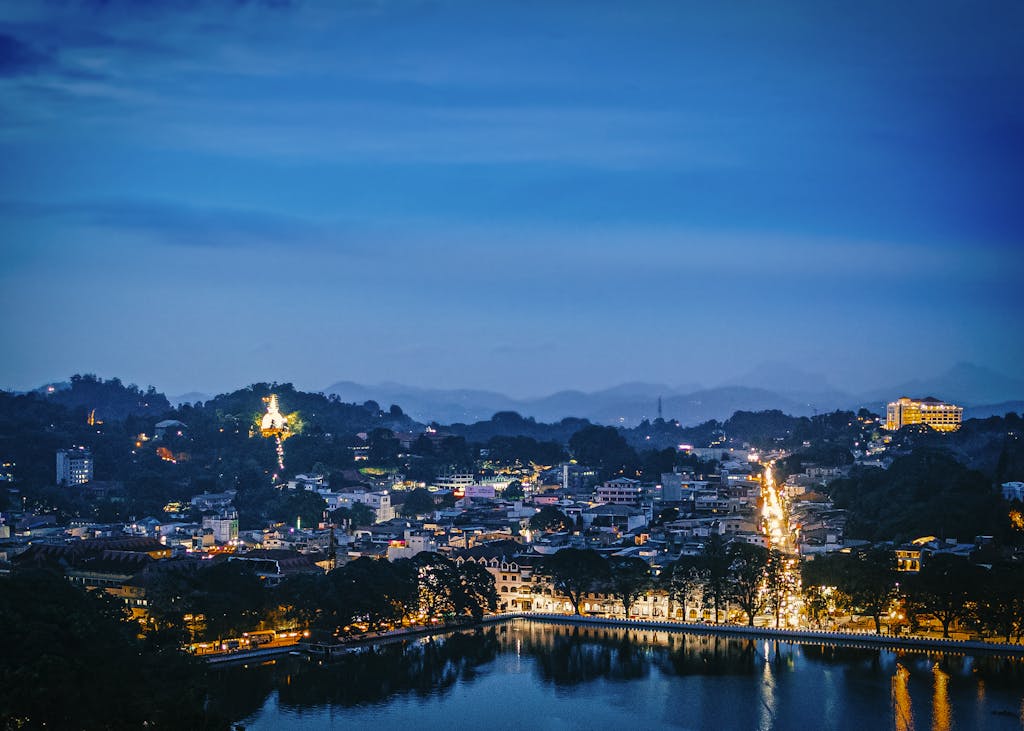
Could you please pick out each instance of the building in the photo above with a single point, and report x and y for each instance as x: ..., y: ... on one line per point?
x: 679, y: 486
x: 611, y: 518
x: 113, y: 565
x: 307, y: 482
x: 453, y: 482
x: 514, y: 568
x: 410, y: 544
x: 168, y: 427
x: 74, y: 466
x: 213, y: 500
x: 379, y: 500
x: 929, y: 411
x: 480, y: 492
x: 224, y: 527
x: 620, y: 491
x: 1013, y: 491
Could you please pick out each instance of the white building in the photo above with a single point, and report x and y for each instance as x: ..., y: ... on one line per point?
x: 224, y: 526
x: 620, y: 491
x: 410, y: 545
x: 307, y: 482
x: 1013, y: 491
x: 454, y: 482
x: 213, y: 500
x: 379, y: 500
x: 74, y: 466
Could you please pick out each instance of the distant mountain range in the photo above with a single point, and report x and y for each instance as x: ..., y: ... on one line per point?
x: 189, y: 398
x: 769, y: 386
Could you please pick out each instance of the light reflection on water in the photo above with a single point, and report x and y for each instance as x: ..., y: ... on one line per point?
x: 563, y: 677
x: 902, y: 711
x: 942, y: 714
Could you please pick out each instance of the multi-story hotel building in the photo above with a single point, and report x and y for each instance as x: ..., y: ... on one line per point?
x: 937, y: 414
x: 74, y: 466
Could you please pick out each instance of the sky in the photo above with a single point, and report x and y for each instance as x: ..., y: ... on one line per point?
x: 521, y: 196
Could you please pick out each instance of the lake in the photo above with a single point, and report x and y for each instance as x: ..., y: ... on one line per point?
x: 536, y: 675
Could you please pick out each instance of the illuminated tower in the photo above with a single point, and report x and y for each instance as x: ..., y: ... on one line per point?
x: 274, y: 424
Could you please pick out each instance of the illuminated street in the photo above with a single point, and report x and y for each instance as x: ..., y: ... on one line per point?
x: 775, y: 518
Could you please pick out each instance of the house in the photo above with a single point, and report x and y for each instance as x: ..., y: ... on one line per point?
x: 613, y: 518
x: 214, y: 501
x: 168, y: 427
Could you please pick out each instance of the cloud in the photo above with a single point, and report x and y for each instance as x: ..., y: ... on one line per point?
x: 174, y: 224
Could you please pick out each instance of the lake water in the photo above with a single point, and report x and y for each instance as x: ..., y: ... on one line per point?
x: 533, y: 675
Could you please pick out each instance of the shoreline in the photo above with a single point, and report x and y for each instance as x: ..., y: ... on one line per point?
x: 797, y: 635
x: 803, y: 636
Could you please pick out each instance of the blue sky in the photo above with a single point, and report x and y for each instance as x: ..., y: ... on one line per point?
x: 522, y: 196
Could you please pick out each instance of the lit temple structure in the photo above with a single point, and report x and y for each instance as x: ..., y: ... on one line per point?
x: 930, y: 411
x: 275, y: 424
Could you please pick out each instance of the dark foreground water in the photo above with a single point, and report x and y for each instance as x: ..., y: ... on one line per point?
x: 526, y: 675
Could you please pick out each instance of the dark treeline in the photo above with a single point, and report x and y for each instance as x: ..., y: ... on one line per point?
x: 71, y: 659
x: 228, y: 599
x: 987, y: 599
x: 927, y: 492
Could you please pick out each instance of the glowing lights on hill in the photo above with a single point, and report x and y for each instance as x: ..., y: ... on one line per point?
x: 274, y: 424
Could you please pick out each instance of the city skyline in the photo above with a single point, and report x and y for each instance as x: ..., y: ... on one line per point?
x: 522, y: 198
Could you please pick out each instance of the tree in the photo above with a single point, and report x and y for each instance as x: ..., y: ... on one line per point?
x: 665, y: 515
x: 376, y: 592
x: 549, y: 518
x: 629, y: 578
x: 747, y: 566
x: 682, y: 579
x: 1000, y: 610
x: 714, y: 565
x: 358, y: 514
x: 418, y: 502
x: 574, y: 572
x: 603, y: 447
x: 172, y: 606
x: 514, y: 491
x: 62, y: 637
x: 447, y: 589
x: 925, y: 493
x: 870, y: 582
x: 439, y: 584
x: 307, y: 599
x: 476, y: 591
x: 303, y: 505
x: 823, y: 581
x: 384, y: 448
x: 230, y: 597
x: 779, y: 583
x: 945, y: 587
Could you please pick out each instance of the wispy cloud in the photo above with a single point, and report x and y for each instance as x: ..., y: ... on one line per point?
x: 175, y: 224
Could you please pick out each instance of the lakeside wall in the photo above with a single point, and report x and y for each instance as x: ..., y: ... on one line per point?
x: 820, y: 636
x: 851, y: 639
